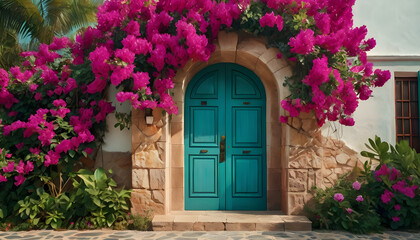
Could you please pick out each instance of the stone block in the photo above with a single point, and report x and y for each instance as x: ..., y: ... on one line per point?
x: 183, y: 226
x: 177, y: 200
x: 298, y: 180
x: 162, y: 222
x: 273, y: 179
x: 198, y: 226
x: 330, y: 162
x: 342, y: 158
x: 184, y: 222
x: 227, y: 41
x: 140, y: 179
x: 214, y: 226
x: 297, y: 223
x: 177, y: 155
x: 177, y: 133
x: 274, y: 200
x: 298, y: 138
x: 296, y: 123
x: 268, y: 55
x: 137, y: 137
x: 301, y: 157
x: 177, y: 177
x: 230, y: 226
x: 310, y: 125
x: 157, y: 178
x: 147, y: 156
x: 142, y: 202
x: 269, y: 226
x: 311, y: 178
x: 245, y: 59
x: 252, y: 46
x: 158, y: 196
x: 296, y: 202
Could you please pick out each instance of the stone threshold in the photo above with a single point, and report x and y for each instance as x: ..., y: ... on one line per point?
x: 230, y: 221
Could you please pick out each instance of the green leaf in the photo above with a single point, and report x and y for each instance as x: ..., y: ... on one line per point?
x: 100, y: 177
x: 35, y: 221
x: 110, y: 219
x: 345, y: 225
x: 1, y: 213
x: 72, y: 153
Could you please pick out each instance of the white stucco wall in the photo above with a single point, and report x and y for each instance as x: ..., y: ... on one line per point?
x: 394, y: 25
x: 116, y: 140
x: 376, y: 116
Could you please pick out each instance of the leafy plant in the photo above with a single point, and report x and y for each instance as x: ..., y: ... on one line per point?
x: 91, y: 203
x: 342, y: 207
x: 394, y: 182
x: 402, y: 157
x: 98, y: 202
x: 389, y: 194
x: 139, y: 223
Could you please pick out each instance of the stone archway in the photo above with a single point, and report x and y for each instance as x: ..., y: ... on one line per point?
x: 253, y: 54
x: 298, y: 156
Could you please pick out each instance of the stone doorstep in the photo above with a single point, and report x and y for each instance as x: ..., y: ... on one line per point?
x: 230, y: 221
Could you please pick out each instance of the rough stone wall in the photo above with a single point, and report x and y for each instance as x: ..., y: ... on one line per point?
x: 119, y: 162
x: 148, y: 163
x: 313, y: 160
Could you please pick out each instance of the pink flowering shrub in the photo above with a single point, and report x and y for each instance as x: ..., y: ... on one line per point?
x: 344, y: 207
x: 388, y: 194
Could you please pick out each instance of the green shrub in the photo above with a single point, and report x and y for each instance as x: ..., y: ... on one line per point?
x: 394, y: 183
x: 92, y: 202
x: 343, y: 207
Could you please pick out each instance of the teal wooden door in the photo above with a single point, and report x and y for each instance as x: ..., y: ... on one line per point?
x: 225, y: 153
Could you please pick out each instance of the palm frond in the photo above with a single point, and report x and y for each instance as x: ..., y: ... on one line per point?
x: 20, y: 15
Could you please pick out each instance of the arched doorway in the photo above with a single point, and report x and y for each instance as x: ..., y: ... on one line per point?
x: 225, y: 140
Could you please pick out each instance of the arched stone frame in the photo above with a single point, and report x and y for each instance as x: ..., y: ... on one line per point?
x: 253, y: 54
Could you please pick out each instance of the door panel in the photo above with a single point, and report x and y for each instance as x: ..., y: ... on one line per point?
x: 225, y: 100
x: 208, y: 86
x: 246, y: 127
x: 204, y: 176
x: 204, y: 126
x: 243, y: 86
x: 246, y: 175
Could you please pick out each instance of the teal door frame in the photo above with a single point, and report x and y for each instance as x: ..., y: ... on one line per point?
x: 225, y: 101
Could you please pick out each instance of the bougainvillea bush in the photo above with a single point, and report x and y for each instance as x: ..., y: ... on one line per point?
x: 387, y: 196
x: 53, y: 106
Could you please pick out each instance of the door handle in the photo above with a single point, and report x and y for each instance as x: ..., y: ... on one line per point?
x: 246, y: 151
x: 203, y: 151
x: 222, y: 149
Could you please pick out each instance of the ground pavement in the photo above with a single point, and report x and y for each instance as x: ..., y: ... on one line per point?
x: 233, y: 235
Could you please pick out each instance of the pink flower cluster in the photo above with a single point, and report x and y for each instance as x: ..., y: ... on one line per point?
x: 338, y: 197
x: 139, y: 45
x: 21, y: 169
x: 393, y: 176
x: 334, y: 34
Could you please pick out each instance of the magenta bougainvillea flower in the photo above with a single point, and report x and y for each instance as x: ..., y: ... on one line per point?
x: 349, y: 210
x: 138, y: 47
x: 303, y: 43
x: 387, y: 196
x: 359, y: 198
